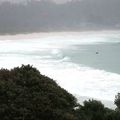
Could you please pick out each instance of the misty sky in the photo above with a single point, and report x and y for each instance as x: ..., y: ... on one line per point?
x: 36, y: 0
x: 47, y: 16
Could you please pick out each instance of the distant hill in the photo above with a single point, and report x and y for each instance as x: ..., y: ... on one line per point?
x: 46, y: 15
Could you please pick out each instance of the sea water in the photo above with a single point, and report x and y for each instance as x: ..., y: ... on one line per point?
x: 84, y: 63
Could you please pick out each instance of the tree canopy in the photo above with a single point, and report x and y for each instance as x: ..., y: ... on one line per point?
x: 26, y: 94
x: 117, y: 101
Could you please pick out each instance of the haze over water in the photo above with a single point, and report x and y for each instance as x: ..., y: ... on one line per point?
x: 84, y: 63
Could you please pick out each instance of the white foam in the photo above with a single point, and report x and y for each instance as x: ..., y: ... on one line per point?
x: 46, y: 54
x: 85, y: 81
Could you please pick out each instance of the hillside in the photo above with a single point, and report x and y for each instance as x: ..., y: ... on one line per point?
x: 25, y: 94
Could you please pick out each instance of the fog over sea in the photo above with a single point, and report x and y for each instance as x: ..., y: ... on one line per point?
x: 84, y: 63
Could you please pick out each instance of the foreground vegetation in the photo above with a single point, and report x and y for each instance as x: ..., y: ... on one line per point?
x: 25, y: 94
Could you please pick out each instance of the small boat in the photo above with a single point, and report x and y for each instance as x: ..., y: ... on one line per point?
x: 97, y: 52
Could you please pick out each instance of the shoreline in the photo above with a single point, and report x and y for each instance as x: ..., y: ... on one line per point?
x: 37, y: 35
x: 40, y: 35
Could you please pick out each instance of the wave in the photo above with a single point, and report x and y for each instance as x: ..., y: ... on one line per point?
x: 47, y: 54
x: 77, y: 79
x: 82, y: 80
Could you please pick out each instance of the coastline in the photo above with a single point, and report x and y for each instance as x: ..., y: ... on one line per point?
x: 37, y: 35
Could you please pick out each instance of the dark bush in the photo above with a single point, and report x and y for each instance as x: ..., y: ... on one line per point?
x: 25, y: 94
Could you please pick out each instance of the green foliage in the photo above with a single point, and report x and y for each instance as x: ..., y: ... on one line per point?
x: 95, y: 110
x: 117, y: 101
x: 25, y: 94
x: 91, y: 110
x: 113, y: 115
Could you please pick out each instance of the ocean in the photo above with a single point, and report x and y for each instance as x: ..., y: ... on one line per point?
x: 86, y: 64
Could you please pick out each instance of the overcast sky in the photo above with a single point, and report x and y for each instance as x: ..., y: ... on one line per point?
x: 34, y: 0
x: 58, y: 1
